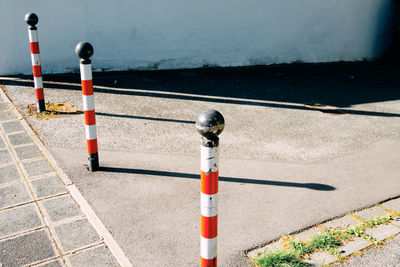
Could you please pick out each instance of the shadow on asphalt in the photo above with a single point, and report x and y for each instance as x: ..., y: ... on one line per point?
x: 313, y: 186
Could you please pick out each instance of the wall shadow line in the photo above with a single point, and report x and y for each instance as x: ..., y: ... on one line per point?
x: 143, y: 118
x: 312, y: 186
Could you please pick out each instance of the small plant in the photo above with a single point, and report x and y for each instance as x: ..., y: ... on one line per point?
x: 281, y: 259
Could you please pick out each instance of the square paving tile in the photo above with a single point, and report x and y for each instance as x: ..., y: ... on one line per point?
x: 27, y: 152
x: 13, y: 195
x: 37, y: 167
x: 5, y: 157
x: 20, y: 139
x: 341, y: 223
x: 56, y: 263
x: 9, y: 174
x: 99, y: 257
x: 27, y: 249
x: 49, y: 186
x: 355, y: 245
x: 19, y: 219
x: 76, y: 234
x: 2, y: 144
x: 308, y: 234
x: 3, y: 106
x: 12, y: 126
x: 267, y: 249
x: 7, y: 116
x: 393, y: 205
x: 321, y: 258
x: 383, y: 231
x: 60, y: 208
x: 369, y: 214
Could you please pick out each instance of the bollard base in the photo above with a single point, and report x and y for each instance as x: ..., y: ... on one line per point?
x: 40, y: 105
x: 93, y: 162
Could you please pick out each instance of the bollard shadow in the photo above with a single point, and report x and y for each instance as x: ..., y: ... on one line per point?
x: 312, y: 186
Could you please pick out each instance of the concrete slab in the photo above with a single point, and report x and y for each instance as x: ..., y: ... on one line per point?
x: 47, y: 187
x: 98, y: 256
x: 56, y: 263
x: 12, y: 126
x: 14, y: 194
x: 369, y: 214
x: 355, y: 245
x: 60, y: 208
x: 2, y: 144
x: 321, y: 258
x: 75, y: 235
x: 5, y: 157
x: 26, y: 249
x: 267, y: 249
x: 383, y: 231
x: 306, y: 235
x: 6, y: 116
x: 3, y: 106
x: 37, y: 167
x: 341, y: 223
x: 19, y: 219
x: 19, y: 139
x: 9, y: 174
x: 27, y: 152
x: 393, y: 205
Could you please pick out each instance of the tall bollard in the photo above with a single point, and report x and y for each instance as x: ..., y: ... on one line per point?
x: 32, y: 20
x: 84, y: 51
x: 209, y: 124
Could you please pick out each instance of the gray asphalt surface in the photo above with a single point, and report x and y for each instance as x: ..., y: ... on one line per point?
x: 284, y: 167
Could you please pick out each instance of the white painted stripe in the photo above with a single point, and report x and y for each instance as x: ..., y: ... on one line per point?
x: 86, y: 72
x: 33, y: 35
x: 90, y: 131
x: 38, y: 81
x: 209, y: 159
x: 208, y: 248
x: 88, y: 102
x: 35, y: 59
x: 208, y: 204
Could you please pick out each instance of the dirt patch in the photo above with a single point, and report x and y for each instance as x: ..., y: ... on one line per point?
x: 53, y: 111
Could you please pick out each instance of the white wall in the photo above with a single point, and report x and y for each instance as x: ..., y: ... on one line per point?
x: 149, y: 34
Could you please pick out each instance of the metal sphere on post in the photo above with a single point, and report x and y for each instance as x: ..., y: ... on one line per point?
x: 84, y: 51
x: 32, y: 19
x: 210, y: 124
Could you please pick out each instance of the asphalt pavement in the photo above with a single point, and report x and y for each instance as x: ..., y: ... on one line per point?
x: 302, y: 144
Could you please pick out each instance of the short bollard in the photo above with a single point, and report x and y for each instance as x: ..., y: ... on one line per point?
x: 32, y: 20
x: 209, y: 124
x: 84, y: 51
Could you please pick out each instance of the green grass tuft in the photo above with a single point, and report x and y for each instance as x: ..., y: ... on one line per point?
x: 281, y: 259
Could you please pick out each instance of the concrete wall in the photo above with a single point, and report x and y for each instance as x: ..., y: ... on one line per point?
x: 157, y: 34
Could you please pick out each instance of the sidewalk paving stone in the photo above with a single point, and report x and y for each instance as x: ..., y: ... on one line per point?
x: 308, y: 234
x: 5, y: 157
x: 76, y: 234
x: 13, y: 195
x: 396, y: 222
x: 383, y: 231
x: 354, y: 245
x: 9, y: 174
x: 2, y: 144
x: 12, y: 126
x: 267, y: 249
x: 16, y: 220
x: 3, y: 106
x: 369, y: 214
x: 341, y: 223
x: 6, y: 116
x: 48, y: 186
x: 37, y: 167
x: 56, y: 263
x: 321, y: 258
x: 27, y: 152
x: 393, y: 205
x: 19, y: 139
x: 27, y: 249
x: 98, y: 257
x: 60, y: 208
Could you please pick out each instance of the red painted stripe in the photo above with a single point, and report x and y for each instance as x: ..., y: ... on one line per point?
x: 209, y: 183
x: 90, y: 117
x: 209, y: 226
x: 209, y: 263
x: 34, y: 47
x: 87, y: 87
x: 92, y: 146
x: 37, y: 71
x: 39, y: 94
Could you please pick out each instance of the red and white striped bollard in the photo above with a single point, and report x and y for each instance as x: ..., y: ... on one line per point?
x: 84, y: 51
x: 209, y: 124
x: 32, y: 20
